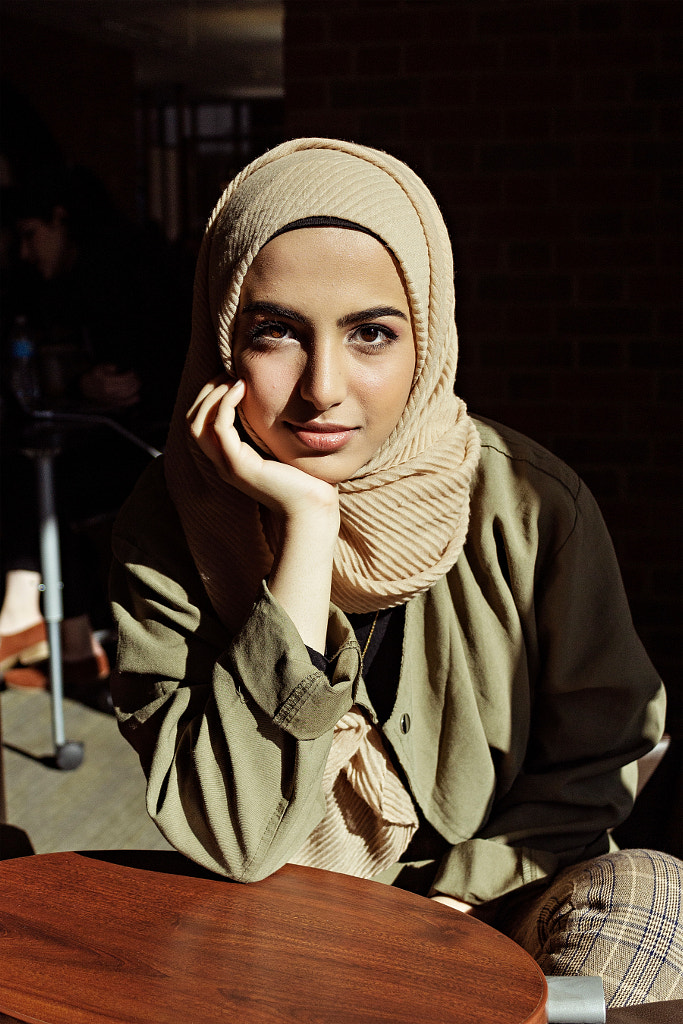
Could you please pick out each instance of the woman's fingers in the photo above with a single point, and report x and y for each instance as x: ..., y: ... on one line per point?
x: 208, y: 389
x: 212, y: 423
x: 279, y: 486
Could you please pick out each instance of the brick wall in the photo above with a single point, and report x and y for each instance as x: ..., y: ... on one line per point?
x: 549, y: 132
x: 84, y: 92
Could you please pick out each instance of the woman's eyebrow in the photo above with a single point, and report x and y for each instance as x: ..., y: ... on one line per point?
x: 370, y: 314
x: 275, y: 309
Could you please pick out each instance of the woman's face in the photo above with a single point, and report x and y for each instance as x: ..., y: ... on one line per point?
x: 324, y: 343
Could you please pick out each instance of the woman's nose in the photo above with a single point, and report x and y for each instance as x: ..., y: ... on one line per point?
x: 323, y: 381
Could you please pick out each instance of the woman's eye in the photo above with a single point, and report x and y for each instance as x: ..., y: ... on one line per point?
x: 265, y: 332
x: 375, y: 336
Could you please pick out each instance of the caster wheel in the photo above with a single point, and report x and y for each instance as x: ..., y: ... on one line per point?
x: 68, y: 755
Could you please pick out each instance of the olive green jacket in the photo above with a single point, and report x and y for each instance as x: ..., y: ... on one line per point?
x: 523, y: 692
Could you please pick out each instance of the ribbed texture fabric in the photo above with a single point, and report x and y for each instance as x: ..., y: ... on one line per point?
x: 370, y: 818
x: 404, y: 515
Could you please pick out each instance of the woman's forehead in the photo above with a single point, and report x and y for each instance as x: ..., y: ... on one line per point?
x: 316, y: 264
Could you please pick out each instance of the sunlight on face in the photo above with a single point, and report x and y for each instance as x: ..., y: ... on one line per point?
x: 324, y: 342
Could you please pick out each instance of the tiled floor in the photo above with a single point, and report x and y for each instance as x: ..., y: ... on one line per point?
x: 99, y: 805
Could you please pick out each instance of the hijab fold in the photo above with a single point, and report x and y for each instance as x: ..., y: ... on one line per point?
x: 404, y: 514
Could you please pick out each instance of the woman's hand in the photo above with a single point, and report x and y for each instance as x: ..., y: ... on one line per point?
x: 306, y: 509
x: 450, y: 901
x: 285, y: 490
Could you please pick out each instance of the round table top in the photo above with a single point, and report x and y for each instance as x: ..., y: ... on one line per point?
x: 117, y: 939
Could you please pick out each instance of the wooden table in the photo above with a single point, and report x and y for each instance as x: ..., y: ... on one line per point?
x: 98, y: 938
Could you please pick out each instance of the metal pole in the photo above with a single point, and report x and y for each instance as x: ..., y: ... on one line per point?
x: 68, y: 754
x: 52, y: 586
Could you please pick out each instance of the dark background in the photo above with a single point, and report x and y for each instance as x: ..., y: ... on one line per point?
x: 549, y: 132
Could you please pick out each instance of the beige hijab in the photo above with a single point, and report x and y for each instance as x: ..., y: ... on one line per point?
x: 404, y: 515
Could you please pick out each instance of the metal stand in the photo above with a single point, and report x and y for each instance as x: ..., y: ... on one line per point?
x: 43, y: 445
x: 68, y: 754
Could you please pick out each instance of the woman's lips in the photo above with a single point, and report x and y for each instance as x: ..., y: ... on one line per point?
x: 327, y: 438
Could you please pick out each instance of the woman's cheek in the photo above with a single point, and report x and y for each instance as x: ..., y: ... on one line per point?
x: 268, y: 388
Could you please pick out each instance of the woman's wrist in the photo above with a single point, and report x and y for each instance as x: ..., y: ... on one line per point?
x: 301, y: 575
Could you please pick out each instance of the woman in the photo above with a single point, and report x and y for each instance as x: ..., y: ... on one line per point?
x: 358, y: 630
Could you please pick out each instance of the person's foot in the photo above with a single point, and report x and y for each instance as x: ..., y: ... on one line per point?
x: 86, y: 681
x: 26, y: 647
x: 33, y: 677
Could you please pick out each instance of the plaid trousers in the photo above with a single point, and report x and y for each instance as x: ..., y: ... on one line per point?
x: 620, y: 917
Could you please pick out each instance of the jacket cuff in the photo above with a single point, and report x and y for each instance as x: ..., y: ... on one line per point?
x: 480, y: 870
x: 270, y: 660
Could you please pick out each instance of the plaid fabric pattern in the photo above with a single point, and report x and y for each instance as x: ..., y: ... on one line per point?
x: 619, y: 917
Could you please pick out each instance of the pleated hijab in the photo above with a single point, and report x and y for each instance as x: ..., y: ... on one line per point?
x: 404, y: 514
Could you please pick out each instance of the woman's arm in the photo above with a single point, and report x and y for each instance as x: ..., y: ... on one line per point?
x: 566, y: 695
x: 232, y: 732
x: 306, y: 509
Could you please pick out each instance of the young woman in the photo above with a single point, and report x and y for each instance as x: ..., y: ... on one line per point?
x: 359, y: 630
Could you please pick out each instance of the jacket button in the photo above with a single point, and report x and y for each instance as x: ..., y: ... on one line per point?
x: 405, y: 723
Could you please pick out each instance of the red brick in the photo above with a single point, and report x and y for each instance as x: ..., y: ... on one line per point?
x: 530, y: 255
x: 669, y: 322
x: 588, y: 51
x: 525, y: 288
x: 584, y: 119
x: 482, y: 253
x: 527, y: 123
x: 453, y: 20
x: 376, y: 22
x: 600, y: 288
x: 601, y: 85
x: 512, y: 88
x: 469, y: 190
x: 599, y: 354
x: 542, y: 222
x: 448, y: 90
x: 586, y: 253
x: 600, y: 188
x: 374, y: 93
x: 669, y: 387
x: 658, y: 16
x: 304, y: 22
x: 319, y: 62
x: 671, y: 119
x: 600, y: 320
x: 529, y: 189
x: 378, y: 60
x: 527, y: 322
x: 439, y: 51
x: 600, y: 17
x: 503, y: 158
x: 660, y: 287
x: 601, y: 222
x: 532, y: 51
x: 611, y: 387
x: 532, y: 354
x: 599, y: 152
x: 509, y: 19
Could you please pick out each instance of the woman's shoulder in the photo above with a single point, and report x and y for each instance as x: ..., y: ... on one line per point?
x: 505, y: 453
x: 523, y: 490
x: 148, y: 525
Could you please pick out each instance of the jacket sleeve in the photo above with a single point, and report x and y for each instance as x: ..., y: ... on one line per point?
x: 232, y: 732
x: 592, y: 704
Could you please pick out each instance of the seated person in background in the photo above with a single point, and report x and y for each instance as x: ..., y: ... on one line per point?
x: 93, y: 297
x: 363, y: 631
